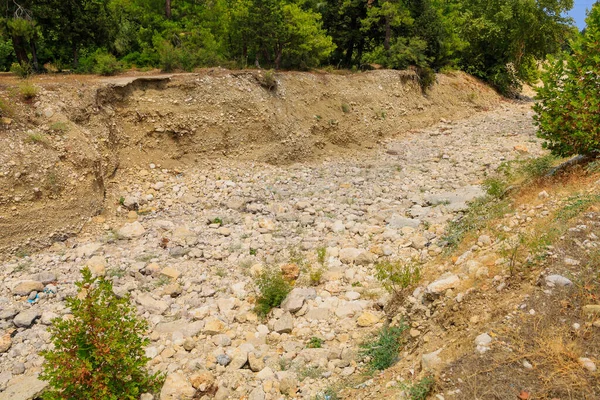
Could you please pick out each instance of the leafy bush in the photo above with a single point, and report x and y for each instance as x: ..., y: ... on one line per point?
x: 106, y: 64
x: 568, y: 113
x: 397, y: 276
x: 22, y: 70
x: 99, y: 353
x: 273, y: 290
x: 383, y: 349
x: 27, y: 90
x: 315, y: 343
x: 421, y: 389
x: 169, y: 59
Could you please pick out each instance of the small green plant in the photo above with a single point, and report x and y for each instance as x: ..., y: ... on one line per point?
x: 162, y: 281
x: 99, y: 352
x: 321, y: 254
x: 6, y: 109
x: 122, y: 200
x: 318, y: 117
x: 346, y: 108
x: 421, y: 389
x: 268, y: 80
x: 315, y: 343
x: 382, y: 351
x: 397, y: 276
x: 221, y: 272
x: 495, y: 187
x: 253, y: 252
x: 217, y: 221
x: 536, y: 168
x: 315, y: 276
x: 36, y: 137
x: 575, y: 205
x: 328, y: 394
x: 22, y: 70
x: 381, y: 114
x: 59, y: 127
x: 272, y: 289
x: 284, y: 363
x: 27, y: 90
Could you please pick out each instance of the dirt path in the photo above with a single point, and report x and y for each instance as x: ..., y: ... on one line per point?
x: 186, y: 244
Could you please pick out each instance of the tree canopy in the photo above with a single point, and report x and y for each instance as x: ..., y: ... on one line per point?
x: 498, y: 40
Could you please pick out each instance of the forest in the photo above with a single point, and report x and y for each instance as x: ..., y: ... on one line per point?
x: 500, y: 41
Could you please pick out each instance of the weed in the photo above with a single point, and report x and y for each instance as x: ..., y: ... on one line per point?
x: 356, y: 284
x: 315, y: 343
x: 397, y: 276
x: 59, y: 127
x: 221, y: 272
x: 537, y: 168
x: 217, y: 221
x: 116, y: 272
x: 496, y: 187
x: 381, y: 114
x: 162, y: 281
x: 22, y: 252
x: 122, y: 200
x: 27, y: 90
x: 273, y: 289
x: 5, y: 108
x: 328, y: 394
x: 346, y: 108
x: 36, y: 137
x: 268, y: 81
x: 310, y: 372
x: 253, y: 252
x: 421, y: 389
x: 321, y: 254
x: 576, y: 205
x: 318, y: 117
x: 284, y: 363
x: 315, y: 276
x: 382, y: 350
x: 22, y: 70
x: 23, y: 266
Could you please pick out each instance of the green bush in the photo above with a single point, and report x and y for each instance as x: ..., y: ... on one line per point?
x: 106, y: 64
x: 27, y: 90
x: 397, y: 276
x: 272, y: 289
x: 421, y: 389
x: 22, y: 70
x: 382, y: 351
x: 99, y: 352
x: 568, y: 113
x: 315, y: 343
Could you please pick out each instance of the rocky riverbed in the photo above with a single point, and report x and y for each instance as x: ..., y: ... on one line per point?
x: 186, y: 245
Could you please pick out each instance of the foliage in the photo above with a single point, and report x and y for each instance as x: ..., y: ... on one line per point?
x: 421, y: 389
x: 568, y: 111
x: 396, y: 276
x: 27, y: 90
x: 22, y: 70
x: 99, y: 352
x: 268, y: 80
x: 272, y: 288
x: 315, y: 343
x: 382, y: 350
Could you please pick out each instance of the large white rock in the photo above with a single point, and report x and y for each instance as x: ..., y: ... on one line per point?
x: 132, y: 230
x: 177, y: 387
x: 444, y: 283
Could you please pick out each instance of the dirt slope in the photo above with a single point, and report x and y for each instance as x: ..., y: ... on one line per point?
x: 60, y: 148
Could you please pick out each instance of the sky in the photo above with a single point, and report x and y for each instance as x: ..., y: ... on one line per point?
x: 578, y: 12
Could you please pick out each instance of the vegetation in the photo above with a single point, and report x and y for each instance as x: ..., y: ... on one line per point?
x: 27, y: 90
x: 498, y: 40
x: 568, y: 114
x: 397, y: 276
x: 381, y: 352
x: 99, y: 353
x: 272, y: 288
x: 420, y: 390
x: 315, y: 343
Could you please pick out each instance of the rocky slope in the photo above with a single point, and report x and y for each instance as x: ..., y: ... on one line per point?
x: 186, y: 243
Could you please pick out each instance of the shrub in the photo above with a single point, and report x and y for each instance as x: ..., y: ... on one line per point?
x: 22, y: 70
x: 567, y: 114
x: 421, y: 389
x: 315, y: 343
x: 273, y: 289
x: 346, y: 108
x: 168, y: 55
x: 268, y: 81
x: 397, y: 276
x: 106, y: 64
x: 27, y: 90
x: 99, y: 353
x: 383, y: 349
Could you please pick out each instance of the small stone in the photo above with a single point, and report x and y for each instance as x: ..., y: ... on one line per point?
x: 24, y: 288
x: 441, y: 285
x: 131, y: 230
x: 256, y: 362
x: 587, y: 364
x: 5, y: 343
x: 170, y: 272
x: 204, y: 381
x: 543, y: 195
x: 189, y: 344
x: 177, y: 387
x: 367, y: 319
x: 284, y: 324
x: 25, y: 318
x: 527, y: 365
x: 557, y: 280
x: 223, y: 359
x: 214, y: 327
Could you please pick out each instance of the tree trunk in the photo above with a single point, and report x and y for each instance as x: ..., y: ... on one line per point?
x: 388, y: 34
x: 279, y: 53
x: 20, y: 51
x: 36, y: 67
x: 168, y: 9
x: 75, y: 57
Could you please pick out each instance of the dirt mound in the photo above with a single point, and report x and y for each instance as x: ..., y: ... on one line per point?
x: 59, y: 150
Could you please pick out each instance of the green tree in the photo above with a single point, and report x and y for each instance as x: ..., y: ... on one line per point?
x: 568, y: 111
x: 98, y: 353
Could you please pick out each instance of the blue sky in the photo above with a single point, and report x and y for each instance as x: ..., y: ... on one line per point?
x: 578, y: 12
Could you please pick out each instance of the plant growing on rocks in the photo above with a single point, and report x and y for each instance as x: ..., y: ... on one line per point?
x: 272, y: 288
x: 99, y: 353
x: 397, y: 276
x: 381, y: 351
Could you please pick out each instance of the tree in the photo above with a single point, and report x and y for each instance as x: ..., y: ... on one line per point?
x: 568, y: 111
x: 98, y: 353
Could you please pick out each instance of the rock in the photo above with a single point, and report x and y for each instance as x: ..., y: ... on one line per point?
x: 25, y: 387
x: 284, y: 324
x: 256, y: 362
x: 184, y: 237
x: 483, y: 342
x: 398, y: 222
x: 97, y: 265
x: 239, y: 358
x: 317, y: 314
x: 204, y: 381
x: 172, y: 289
x: 266, y: 224
x: 44, y: 277
x: 441, y: 285
x: 223, y: 359
x: 151, y: 304
x: 364, y: 258
x: 296, y: 298
x: 170, y: 272
x: 265, y: 373
x: 591, y: 309
x: 87, y: 250
x: 5, y: 343
x: 25, y: 287
x: 349, y: 254
x: 485, y: 240
x: 557, y: 280
x: 131, y: 230
x: 431, y: 361
x: 214, y: 327
x: 177, y: 387
x: 587, y: 364
x: 367, y: 319
x: 257, y: 393
x: 25, y: 318
x: 290, y: 272
x: 543, y: 195
x: 48, y: 317
x: 338, y: 226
